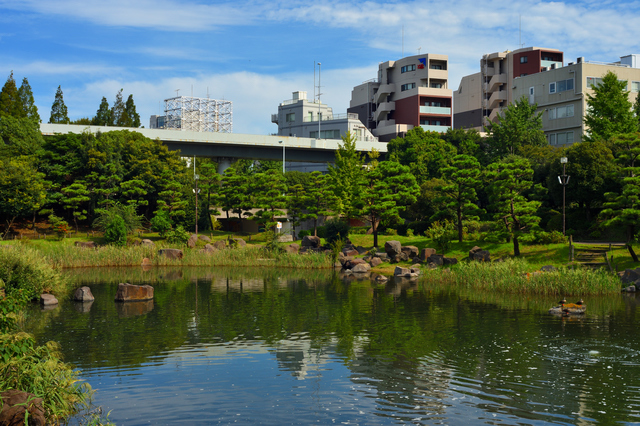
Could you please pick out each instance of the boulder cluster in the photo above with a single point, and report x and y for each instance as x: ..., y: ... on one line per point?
x: 631, y: 280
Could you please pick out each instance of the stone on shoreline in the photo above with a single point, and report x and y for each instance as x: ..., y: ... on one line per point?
x: 133, y: 293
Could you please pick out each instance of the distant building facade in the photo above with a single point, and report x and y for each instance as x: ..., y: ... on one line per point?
x: 483, y: 95
x: 410, y: 92
x: 561, y: 94
x: 310, y: 119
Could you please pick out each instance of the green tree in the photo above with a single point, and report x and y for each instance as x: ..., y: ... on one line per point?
x: 129, y: 117
x: 27, y: 102
x: 319, y: 198
x: 19, y: 136
x: 115, y: 232
x: 389, y: 187
x: 459, y: 192
x: 609, y: 111
x: 171, y: 197
x: 347, y: 176
x: 161, y: 222
x: 234, y: 193
x: 636, y: 110
x: 59, y: 109
x: 518, y: 126
x: 103, y: 115
x: 623, y: 207
x: 76, y: 198
x: 425, y: 153
x: 131, y: 221
x: 468, y: 142
x: 515, y: 215
x: 22, y: 189
x: 117, y: 110
x: 10, y: 99
x: 268, y: 189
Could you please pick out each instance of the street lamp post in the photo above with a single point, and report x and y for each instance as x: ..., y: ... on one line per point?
x: 283, y: 145
x: 564, y: 180
x: 319, y: 103
x: 196, y: 177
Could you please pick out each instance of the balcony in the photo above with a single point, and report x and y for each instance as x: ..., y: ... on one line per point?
x: 435, y: 110
x: 383, y: 108
x: 383, y: 91
x: 274, y: 118
x: 439, y: 129
x: 438, y: 74
x: 496, y: 81
x: 496, y: 98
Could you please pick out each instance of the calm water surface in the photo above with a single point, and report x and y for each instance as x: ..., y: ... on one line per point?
x: 281, y: 347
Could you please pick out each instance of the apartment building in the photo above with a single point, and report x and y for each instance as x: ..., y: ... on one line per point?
x: 312, y: 119
x: 410, y: 92
x: 561, y: 94
x: 483, y: 95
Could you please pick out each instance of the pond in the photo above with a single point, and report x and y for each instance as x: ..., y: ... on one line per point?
x: 280, y: 347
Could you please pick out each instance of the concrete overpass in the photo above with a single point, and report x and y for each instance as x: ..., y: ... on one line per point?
x: 225, y: 147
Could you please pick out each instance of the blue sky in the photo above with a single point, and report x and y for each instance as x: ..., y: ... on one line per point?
x: 255, y: 53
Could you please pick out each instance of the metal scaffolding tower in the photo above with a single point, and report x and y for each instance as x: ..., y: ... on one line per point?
x: 198, y: 114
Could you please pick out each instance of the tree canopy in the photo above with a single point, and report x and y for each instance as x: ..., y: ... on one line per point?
x: 609, y: 110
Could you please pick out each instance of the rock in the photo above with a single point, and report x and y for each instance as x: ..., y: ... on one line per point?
x: 383, y: 256
x: 83, y: 294
x: 380, y: 278
x: 415, y: 272
x: 401, y: 272
x: 285, y: 238
x: 361, y: 250
x: 239, y: 242
x: 193, y: 241
x: 411, y: 251
x: 220, y: 244
x: 416, y: 266
x: 548, y: 268
x: 480, y: 256
x: 147, y: 242
x: 147, y: 262
x: 204, y: 238
x: 631, y: 289
x: 48, y: 300
x: 337, y: 265
x: 432, y: 265
x: 630, y: 276
x: 86, y: 244
x: 351, y: 263
x: 311, y: 241
x: 436, y: 259
x: 400, y: 257
x: 392, y: 248
x: 292, y: 248
x: 361, y: 268
x: 171, y: 253
x: 208, y: 248
x: 350, y: 252
x: 426, y: 252
x: 375, y: 261
x: 449, y: 260
x: 133, y: 293
x: 82, y: 307
x: 14, y: 406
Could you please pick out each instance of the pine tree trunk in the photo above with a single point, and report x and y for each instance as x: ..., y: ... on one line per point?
x: 516, y: 246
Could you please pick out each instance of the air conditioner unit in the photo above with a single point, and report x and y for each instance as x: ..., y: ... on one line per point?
x: 580, y: 59
x: 553, y: 66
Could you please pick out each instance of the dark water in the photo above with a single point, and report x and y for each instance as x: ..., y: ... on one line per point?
x: 276, y: 347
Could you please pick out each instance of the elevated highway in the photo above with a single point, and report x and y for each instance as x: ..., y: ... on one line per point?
x: 228, y: 146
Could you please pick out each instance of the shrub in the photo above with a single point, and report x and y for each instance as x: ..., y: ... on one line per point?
x: 409, y: 232
x: 544, y: 238
x: 442, y: 233
x: 178, y: 235
x: 58, y: 226
x: 336, y: 229
x: 390, y: 231
x: 127, y: 213
x: 25, y: 275
x: 115, y: 231
x: 161, y: 223
x: 304, y: 233
x: 358, y: 230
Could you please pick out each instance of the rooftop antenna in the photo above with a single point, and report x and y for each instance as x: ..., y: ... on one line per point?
x: 314, y: 81
x: 403, y: 41
x: 177, y: 92
x: 419, y: 49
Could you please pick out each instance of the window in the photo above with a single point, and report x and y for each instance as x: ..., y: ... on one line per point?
x: 552, y: 113
x: 561, y: 112
x: 291, y: 117
x: 524, y: 59
x: 407, y: 86
x: 310, y: 115
x: 595, y: 81
x: 565, y: 85
x: 635, y: 86
x: 552, y: 139
x: 435, y: 66
x: 436, y: 85
x: 408, y: 68
x: 552, y: 87
x: 564, y: 138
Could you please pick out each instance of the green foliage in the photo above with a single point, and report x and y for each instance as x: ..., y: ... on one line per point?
x: 390, y: 231
x: 609, y: 111
x: 346, y: 176
x: 58, y: 226
x: 336, y: 247
x: 336, y: 229
x: 115, y: 231
x: 234, y: 193
x: 518, y: 126
x: 59, y: 109
x: 544, y: 238
x: 22, y: 188
x: 19, y: 137
x: 75, y: 198
x: 514, y: 213
x: 424, y: 152
x: 268, y: 189
x: 178, y: 235
x: 25, y: 95
x: 117, y: 110
x: 161, y: 223
x: 10, y: 99
x: 130, y: 117
x: 39, y: 370
x: 272, y: 245
x: 103, y: 115
x: 441, y: 233
x: 127, y: 213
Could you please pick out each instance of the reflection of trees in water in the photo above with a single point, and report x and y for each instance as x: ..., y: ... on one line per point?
x: 405, y: 344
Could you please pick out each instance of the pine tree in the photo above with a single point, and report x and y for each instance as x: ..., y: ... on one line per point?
x: 10, y: 99
x: 130, y: 118
x: 28, y: 104
x: 117, y: 111
x: 636, y: 110
x: 103, y: 115
x: 347, y: 176
x: 59, y: 110
x: 609, y: 110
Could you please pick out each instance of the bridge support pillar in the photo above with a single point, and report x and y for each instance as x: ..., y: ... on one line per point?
x: 224, y: 163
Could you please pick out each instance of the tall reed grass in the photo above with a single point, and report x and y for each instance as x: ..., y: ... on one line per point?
x: 511, y: 276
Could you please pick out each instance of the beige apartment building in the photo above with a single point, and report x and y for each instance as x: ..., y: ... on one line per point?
x: 561, y: 94
x: 410, y: 92
x: 483, y: 95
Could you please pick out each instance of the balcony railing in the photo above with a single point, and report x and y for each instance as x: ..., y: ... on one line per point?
x: 440, y: 129
x: 435, y: 110
x: 348, y: 115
